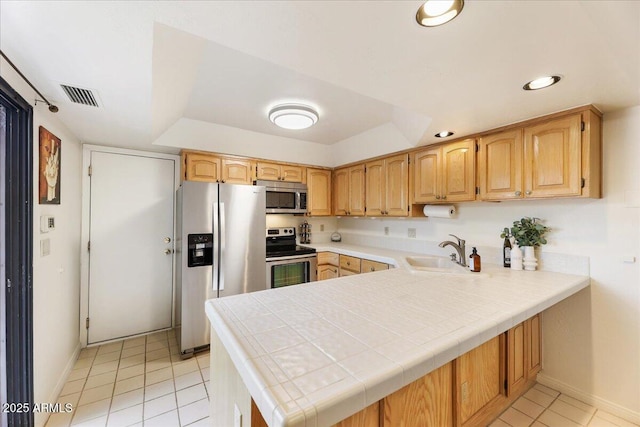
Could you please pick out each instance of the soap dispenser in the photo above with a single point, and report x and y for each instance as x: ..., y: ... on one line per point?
x: 474, y: 261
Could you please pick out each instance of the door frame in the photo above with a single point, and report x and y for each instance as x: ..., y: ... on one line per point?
x: 87, y: 149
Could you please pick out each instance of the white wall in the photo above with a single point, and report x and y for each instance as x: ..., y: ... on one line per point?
x: 592, y: 340
x: 56, y: 278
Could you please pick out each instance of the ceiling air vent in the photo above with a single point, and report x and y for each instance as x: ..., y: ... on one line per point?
x: 80, y: 96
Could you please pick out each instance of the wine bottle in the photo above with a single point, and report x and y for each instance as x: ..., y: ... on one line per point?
x: 506, y: 252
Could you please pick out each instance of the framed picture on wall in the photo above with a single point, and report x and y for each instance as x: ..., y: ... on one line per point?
x: 49, y: 184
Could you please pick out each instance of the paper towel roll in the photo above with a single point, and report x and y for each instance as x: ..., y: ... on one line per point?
x: 439, y: 211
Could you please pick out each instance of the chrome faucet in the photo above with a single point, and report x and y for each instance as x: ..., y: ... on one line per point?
x: 459, y: 247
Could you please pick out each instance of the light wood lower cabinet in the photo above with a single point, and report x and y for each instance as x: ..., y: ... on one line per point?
x: 427, y: 402
x: 349, y: 265
x: 332, y: 265
x: 467, y: 392
x: 479, y: 382
x: 328, y: 265
x: 368, y: 266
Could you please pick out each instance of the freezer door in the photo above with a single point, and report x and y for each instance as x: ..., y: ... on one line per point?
x: 194, y: 284
x: 241, y: 229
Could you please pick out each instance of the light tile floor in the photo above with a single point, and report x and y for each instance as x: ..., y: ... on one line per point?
x: 144, y: 381
x: 139, y: 381
x: 545, y: 407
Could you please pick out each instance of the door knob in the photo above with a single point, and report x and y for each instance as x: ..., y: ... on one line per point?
x: 167, y: 251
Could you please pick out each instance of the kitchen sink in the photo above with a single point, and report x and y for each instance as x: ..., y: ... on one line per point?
x: 435, y: 264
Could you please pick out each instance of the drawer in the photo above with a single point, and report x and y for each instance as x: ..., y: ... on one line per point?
x: 350, y: 263
x: 328, y: 258
x: 369, y: 266
x: 344, y: 272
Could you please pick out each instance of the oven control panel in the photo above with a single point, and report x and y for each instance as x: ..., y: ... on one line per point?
x: 281, y: 231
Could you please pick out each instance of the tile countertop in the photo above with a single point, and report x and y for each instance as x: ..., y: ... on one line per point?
x: 316, y: 353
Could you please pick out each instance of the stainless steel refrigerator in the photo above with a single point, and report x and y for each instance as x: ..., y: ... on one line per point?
x: 220, y: 251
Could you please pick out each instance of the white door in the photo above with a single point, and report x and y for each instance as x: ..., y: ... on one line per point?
x: 131, y: 245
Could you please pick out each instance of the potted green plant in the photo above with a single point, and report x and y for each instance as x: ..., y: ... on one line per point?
x: 528, y: 234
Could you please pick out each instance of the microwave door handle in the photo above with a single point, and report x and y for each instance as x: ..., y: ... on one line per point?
x: 222, y: 232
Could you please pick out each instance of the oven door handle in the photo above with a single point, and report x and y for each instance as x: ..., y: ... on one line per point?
x: 286, y: 258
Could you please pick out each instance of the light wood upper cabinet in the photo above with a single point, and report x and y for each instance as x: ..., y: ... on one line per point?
x: 211, y: 168
x: 445, y: 173
x: 553, y: 158
x: 387, y: 186
x: 349, y: 191
x: 559, y: 157
x: 426, y: 175
x: 319, y: 192
x: 237, y: 171
x: 375, y: 188
x: 201, y: 167
x: 279, y: 172
x: 500, y: 166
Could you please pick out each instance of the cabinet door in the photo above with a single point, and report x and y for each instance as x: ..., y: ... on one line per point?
x: 478, y: 379
x: 375, y: 188
x: 458, y: 171
x: 341, y: 191
x: 269, y: 171
x: 516, y: 359
x: 202, y: 167
x: 327, y: 271
x: 236, y: 171
x: 426, y: 176
x: 533, y: 336
x: 426, y: 402
x: 500, y: 166
x: 397, y: 185
x: 319, y: 192
x: 552, y: 158
x: 291, y: 173
x: 356, y: 190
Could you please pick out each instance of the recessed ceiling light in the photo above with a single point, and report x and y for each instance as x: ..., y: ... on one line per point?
x: 541, y: 82
x: 437, y: 12
x: 293, y: 116
x: 443, y: 134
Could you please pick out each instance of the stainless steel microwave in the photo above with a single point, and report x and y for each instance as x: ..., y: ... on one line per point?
x: 285, y: 197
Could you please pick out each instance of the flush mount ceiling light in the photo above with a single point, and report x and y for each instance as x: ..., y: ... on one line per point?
x: 541, y: 82
x: 437, y: 12
x: 443, y: 134
x: 293, y: 116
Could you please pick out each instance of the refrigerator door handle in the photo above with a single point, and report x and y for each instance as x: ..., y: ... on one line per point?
x: 222, y: 232
x: 216, y: 248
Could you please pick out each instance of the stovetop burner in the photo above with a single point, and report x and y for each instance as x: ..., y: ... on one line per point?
x: 281, y: 242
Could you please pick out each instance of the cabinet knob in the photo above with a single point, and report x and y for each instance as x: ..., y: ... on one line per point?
x: 437, y: 197
x: 348, y: 262
x: 518, y: 193
x: 372, y: 269
x: 528, y: 193
x: 167, y: 251
x: 444, y: 197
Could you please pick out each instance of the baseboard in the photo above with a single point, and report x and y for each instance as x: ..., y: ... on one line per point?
x: 590, y: 399
x: 61, y: 381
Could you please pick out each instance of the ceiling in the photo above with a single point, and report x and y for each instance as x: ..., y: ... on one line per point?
x: 159, y: 68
